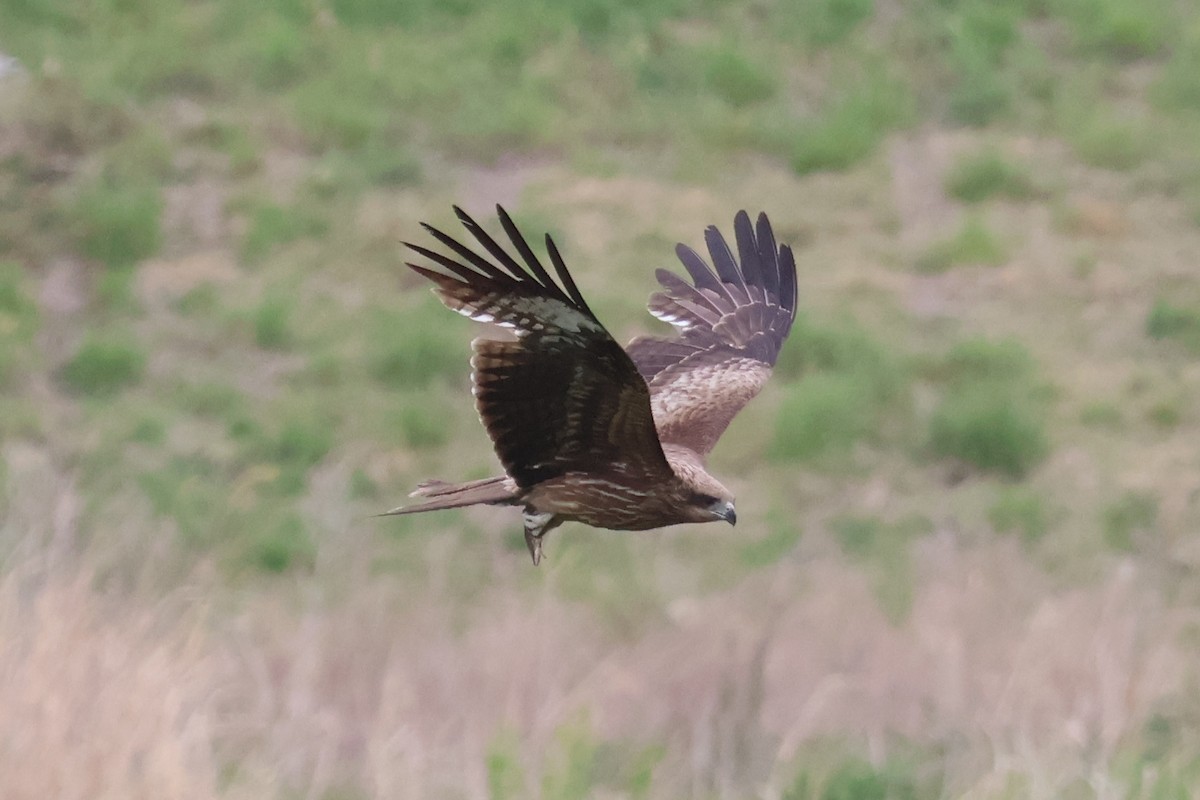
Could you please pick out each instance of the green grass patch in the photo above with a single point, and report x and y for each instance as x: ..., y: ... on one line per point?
x: 979, y: 360
x: 505, y: 775
x: 118, y: 223
x: 783, y: 535
x: 973, y: 243
x: 241, y: 148
x: 985, y: 174
x: 211, y: 399
x: 579, y: 765
x: 1119, y: 29
x: 737, y: 80
x: 284, y: 453
x: 1131, y: 515
x: 1109, y: 143
x: 991, y: 414
x: 883, y: 549
x: 1167, y: 320
x: 202, y: 301
x: 273, y: 322
x: 300, y: 444
x: 422, y: 421
x: 283, y: 545
x: 848, y: 386
x: 103, y: 366
x: 18, y: 322
x: 821, y: 415
x: 272, y: 225
x: 827, y: 22
x: 853, y: 122
x: 993, y: 431
x: 1178, y: 88
x: 1167, y: 412
x: 858, y: 779
x: 417, y: 346
x: 1022, y: 511
x: 149, y: 431
x: 829, y: 769
x: 977, y: 38
x: 190, y: 490
x: 1101, y: 414
x: 363, y: 486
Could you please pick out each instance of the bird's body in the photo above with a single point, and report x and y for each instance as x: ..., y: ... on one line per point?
x: 590, y: 432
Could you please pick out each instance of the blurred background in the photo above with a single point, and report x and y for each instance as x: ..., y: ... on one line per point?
x: 970, y: 498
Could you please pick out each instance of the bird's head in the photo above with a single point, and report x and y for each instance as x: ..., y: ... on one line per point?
x: 710, y: 502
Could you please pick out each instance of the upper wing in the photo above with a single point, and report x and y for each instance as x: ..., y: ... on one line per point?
x: 732, y: 324
x: 564, y: 396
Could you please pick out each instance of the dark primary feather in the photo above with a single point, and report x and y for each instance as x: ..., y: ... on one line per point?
x: 564, y: 396
x: 751, y: 307
x: 732, y: 324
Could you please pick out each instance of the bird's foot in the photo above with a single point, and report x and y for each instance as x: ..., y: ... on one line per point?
x: 537, y: 525
x: 534, y: 543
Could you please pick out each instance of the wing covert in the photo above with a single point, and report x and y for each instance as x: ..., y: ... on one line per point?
x: 732, y: 323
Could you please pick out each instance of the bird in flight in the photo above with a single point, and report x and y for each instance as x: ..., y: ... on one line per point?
x: 590, y: 432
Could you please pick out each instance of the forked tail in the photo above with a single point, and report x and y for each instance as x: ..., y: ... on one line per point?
x: 489, y: 491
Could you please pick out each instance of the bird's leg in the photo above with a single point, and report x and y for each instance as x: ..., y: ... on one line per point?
x: 538, y: 525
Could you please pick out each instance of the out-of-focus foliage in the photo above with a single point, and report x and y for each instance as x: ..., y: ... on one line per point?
x: 975, y: 466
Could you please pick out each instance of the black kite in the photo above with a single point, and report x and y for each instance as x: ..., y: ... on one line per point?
x: 588, y: 431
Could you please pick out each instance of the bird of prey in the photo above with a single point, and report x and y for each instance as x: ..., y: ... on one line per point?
x: 585, y: 430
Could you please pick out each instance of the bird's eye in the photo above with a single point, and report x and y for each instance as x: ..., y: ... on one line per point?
x: 702, y: 499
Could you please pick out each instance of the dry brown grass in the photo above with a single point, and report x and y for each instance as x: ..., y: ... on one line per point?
x: 374, y: 695
x: 102, y: 698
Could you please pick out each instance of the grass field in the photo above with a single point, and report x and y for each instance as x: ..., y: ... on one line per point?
x: 969, y: 501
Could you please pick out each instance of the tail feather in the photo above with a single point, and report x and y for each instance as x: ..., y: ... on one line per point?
x: 489, y: 491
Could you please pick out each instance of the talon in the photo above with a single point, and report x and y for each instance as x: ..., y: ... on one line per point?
x: 534, y: 543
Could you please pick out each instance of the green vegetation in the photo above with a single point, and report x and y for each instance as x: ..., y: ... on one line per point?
x: 1126, y: 518
x: 1179, y: 86
x: 736, y: 80
x: 830, y: 772
x: 285, y: 545
x: 848, y: 388
x: 1180, y: 323
x: 1102, y: 142
x: 412, y: 348
x: 991, y: 413
x: 974, y: 243
x: 1121, y: 30
x: 883, y: 549
x: 978, y: 40
x: 987, y: 173
x: 272, y: 225
x: 852, y: 123
x: 18, y: 322
x: 103, y: 366
x: 119, y: 222
x: 1020, y: 510
x: 272, y: 322
x: 214, y: 370
x: 506, y: 778
x: 422, y: 421
x: 781, y: 539
x: 994, y: 432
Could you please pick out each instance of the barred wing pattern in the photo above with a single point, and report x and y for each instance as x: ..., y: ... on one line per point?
x: 563, y: 397
x: 731, y: 325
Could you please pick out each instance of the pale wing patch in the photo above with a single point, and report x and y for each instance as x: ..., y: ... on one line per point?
x: 694, y: 404
x: 522, y: 315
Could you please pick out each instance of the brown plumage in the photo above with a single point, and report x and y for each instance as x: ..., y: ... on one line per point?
x: 588, y: 431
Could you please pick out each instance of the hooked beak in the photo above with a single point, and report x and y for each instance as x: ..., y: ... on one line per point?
x: 728, y: 513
